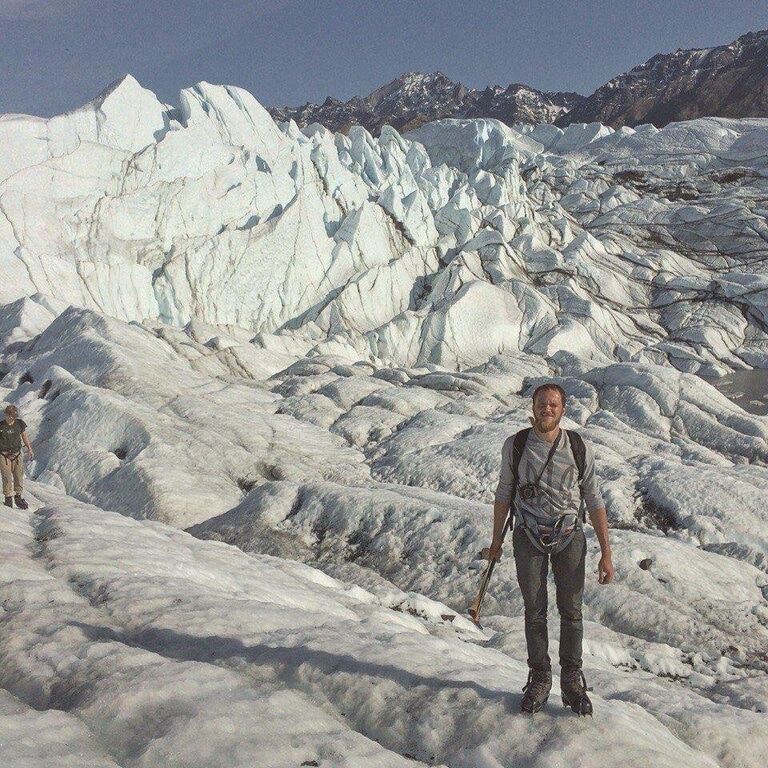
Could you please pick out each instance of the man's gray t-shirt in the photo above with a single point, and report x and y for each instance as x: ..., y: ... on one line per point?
x: 559, y: 485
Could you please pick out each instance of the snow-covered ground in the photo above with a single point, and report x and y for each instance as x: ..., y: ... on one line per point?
x: 268, y: 375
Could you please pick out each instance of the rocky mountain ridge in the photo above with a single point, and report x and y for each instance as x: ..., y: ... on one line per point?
x: 725, y: 81
x: 416, y: 98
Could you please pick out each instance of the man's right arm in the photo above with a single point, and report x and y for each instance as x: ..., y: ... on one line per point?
x: 500, y: 512
x: 502, y: 500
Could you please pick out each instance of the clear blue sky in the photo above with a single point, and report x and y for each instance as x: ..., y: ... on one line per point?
x: 58, y: 54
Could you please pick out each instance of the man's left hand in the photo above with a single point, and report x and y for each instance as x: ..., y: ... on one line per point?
x: 605, y: 570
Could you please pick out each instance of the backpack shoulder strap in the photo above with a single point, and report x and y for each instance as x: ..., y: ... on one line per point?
x: 518, y: 446
x: 579, y: 451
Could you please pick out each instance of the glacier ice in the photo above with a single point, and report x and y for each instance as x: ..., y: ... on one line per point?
x: 268, y: 372
x: 211, y: 212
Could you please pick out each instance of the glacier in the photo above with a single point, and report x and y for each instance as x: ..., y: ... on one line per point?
x: 267, y: 374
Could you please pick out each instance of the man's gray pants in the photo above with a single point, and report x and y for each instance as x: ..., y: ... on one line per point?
x: 568, y: 568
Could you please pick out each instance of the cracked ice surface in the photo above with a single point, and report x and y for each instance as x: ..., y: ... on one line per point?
x: 336, y: 511
x: 268, y: 375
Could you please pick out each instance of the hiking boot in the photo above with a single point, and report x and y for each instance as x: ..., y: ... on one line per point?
x: 8, y: 501
x: 573, y: 687
x: 20, y: 502
x: 536, y: 690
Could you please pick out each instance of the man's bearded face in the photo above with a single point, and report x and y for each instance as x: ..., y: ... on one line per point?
x: 548, y: 410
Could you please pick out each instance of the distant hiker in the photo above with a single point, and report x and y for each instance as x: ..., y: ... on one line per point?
x: 543, y: 471
x: 12, y: 432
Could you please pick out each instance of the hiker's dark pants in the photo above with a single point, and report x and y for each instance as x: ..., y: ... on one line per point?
x: 568, y: 568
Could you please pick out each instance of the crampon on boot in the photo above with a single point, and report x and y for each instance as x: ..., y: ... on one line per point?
x: 573, y: 687
x: 536, y: 690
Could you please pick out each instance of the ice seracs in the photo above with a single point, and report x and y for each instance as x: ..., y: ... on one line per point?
x: 212, y: 212
x: 125, y: 116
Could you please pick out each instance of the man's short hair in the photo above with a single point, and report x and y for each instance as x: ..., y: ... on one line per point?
x: 550, y: 385
x: 11, y: 410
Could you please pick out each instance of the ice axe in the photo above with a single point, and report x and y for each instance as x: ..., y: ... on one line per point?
x: 474, y: 610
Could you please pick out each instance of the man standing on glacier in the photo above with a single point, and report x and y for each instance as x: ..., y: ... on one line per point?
x: 542, y: 470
